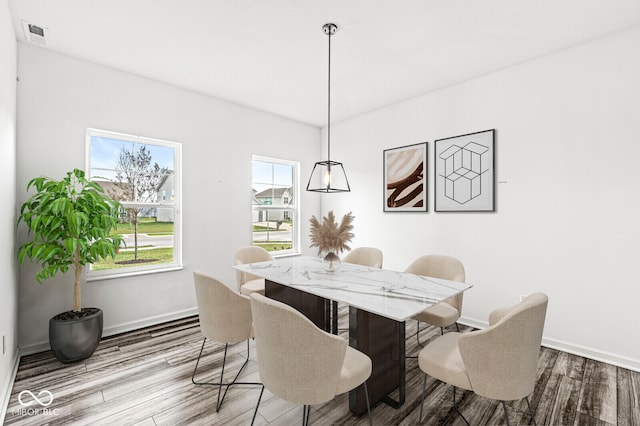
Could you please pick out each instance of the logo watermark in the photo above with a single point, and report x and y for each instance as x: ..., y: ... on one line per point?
x: 47, y: 398
x: 35, y: 405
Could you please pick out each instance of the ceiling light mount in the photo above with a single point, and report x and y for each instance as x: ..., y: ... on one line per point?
x: 328, y: 176
x: 329, y: 29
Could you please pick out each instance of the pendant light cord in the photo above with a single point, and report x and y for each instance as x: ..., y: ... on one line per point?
x: 322, y: 170
x: 329, y: 104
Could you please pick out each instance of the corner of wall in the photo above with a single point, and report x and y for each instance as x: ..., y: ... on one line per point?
x: 9, y: 354
x: 5, y: 389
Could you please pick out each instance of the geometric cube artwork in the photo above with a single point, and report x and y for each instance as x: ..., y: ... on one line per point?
x: 462, y: 168
x: 465, y: 173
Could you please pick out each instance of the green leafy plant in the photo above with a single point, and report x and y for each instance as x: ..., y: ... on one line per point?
x: 69, y: 221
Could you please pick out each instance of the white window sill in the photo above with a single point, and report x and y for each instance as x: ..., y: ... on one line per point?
x: 99, y: 276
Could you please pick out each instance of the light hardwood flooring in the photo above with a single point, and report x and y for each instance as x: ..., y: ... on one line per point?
x: 144, y: 378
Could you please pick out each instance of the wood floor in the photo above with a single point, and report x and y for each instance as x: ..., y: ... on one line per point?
x: 144, y: 378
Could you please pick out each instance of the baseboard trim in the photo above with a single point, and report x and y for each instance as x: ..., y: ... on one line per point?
x: 5, y: 391
x: 120, y: 328
x: 606, y: 357
x: 572, y: 348
x: 146, y: 322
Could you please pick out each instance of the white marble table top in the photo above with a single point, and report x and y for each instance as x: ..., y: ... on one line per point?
x: 391, y: 294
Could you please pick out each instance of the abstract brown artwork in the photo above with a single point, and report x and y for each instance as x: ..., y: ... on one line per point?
x: 405, y: 178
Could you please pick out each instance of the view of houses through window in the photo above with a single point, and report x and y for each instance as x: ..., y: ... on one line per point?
x: 143, y: 175
x: 274, y: 204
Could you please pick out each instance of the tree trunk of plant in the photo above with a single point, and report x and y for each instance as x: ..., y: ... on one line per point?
x: 76, y: 286
x: 135, y: 235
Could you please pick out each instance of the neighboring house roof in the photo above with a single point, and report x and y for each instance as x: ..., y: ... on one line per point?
x: 117, y: 190
x: 273, y: 193
x: 167, y: 179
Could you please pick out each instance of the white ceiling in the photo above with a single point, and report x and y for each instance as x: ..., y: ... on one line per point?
x: 272, y: 54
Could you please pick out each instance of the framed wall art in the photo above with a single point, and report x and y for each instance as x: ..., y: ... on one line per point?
x: 464, y: 173
x: 405, y: 178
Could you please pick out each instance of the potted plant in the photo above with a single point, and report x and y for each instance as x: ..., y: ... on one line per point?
x: 69, y: 222
x: 331, y: 238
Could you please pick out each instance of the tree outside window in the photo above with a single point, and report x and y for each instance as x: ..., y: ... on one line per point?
x: 140, y: 173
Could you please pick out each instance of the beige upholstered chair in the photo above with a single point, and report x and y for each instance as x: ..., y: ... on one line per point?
x: 365, y: 256
x: 301, y: 363
x: 248, y: 283
x: 225, y: 317
x: 448, y: 311
x: 499, y: 362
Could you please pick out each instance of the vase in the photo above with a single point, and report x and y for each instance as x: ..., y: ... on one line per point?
x: 331, y: 262
x: 75, y: 339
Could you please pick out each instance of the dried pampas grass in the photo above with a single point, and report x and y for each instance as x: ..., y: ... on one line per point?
x: 328, y: 236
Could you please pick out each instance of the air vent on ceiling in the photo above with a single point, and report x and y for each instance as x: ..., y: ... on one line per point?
x: 34, y: 33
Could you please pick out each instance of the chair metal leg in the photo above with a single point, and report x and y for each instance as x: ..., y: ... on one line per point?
x: 305, y: 414
x: 306, y: 409
x: 196, y: 367
x: 224, y: 361
x: 418, y: 335
x: 257, y: 405
x: 441, y: 332
x: 220, y: 384
x: 418, y: 339
x: 506, y: 415
x: 533, y: 419
x: 455, y: 406
x: 424, y: 391
x: 234, y: 381
x: 366, y: 396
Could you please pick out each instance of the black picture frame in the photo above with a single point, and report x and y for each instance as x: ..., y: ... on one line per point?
x: 464, y: 173
x: 405, y: 178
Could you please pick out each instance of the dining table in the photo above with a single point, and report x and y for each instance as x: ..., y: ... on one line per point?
x: 380, y: 302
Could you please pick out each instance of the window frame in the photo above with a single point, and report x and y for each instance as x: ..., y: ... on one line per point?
x: 294, y: 209
x: 176, y: 204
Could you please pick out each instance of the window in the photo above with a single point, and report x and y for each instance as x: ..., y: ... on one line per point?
x: 274, y: 205
x: 143, y: 174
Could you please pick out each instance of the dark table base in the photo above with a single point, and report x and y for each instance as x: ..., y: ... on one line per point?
x: 382, y: 339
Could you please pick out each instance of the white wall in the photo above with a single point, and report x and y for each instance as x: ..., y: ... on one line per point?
x: 8, y: 268
x: 59, y: 96
x: 568, y: 191
x: 567, y: 195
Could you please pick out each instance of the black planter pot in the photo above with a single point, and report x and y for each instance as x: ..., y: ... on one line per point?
x: 75, y: 339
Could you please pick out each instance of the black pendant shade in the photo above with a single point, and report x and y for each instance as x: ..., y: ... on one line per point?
x: 328, y: 176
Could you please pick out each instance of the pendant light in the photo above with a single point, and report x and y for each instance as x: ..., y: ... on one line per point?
x: 328, y: 176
